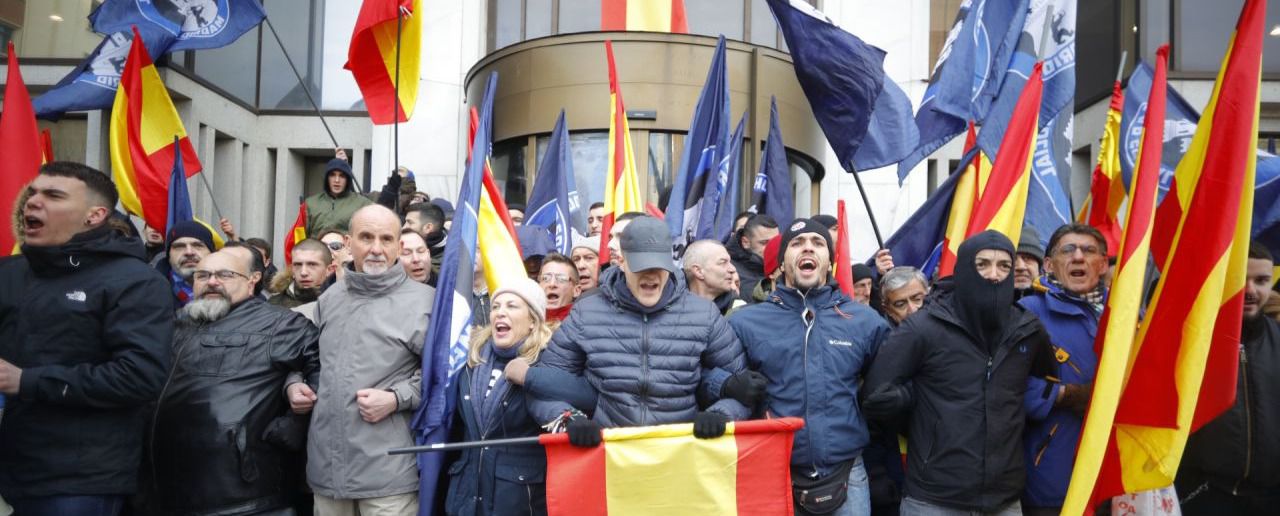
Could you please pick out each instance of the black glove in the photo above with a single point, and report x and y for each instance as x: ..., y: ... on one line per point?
x: 886, y: 401
x: 709, y: 425
x: 748, y: 387
x: 584, y: 433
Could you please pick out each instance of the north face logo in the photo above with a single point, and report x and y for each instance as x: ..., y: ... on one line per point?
x: 77, y: 295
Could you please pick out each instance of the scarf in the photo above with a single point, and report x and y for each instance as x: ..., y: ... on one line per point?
x: 487, y: 388
x: 558, y: 314
x: 1096, y: 298
x: 181, y: 289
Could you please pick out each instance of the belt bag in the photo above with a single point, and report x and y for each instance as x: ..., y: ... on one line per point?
x: 822, y: 495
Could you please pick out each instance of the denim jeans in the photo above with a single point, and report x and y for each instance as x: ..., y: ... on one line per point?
x: 78, y: 505
x: 858, y: 496
x: 914, y: 507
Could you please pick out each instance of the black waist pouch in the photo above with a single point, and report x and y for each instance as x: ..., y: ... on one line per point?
x: 821, y: 495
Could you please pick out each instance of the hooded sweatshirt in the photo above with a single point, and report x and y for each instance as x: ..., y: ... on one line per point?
x: 326, y: 210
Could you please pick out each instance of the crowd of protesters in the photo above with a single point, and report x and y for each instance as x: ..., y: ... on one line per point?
x: 180, y: 373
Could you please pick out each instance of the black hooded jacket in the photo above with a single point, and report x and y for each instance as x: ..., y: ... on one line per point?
x: 965, y: 394
x: 90, y: 325
x: 750, y: 267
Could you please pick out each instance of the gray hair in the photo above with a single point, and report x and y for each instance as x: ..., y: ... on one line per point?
x: 207, y: 310
x: 699, y: 252
x: 899, y: 277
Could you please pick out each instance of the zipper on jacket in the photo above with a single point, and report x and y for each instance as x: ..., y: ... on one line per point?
x: 990, y: 361
x: 644, y: 369
x: 808, y: 328
x: 1045, y: 446
x: 1248, y: 422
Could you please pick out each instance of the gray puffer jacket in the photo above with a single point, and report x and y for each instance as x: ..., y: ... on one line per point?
x: 647, y: 363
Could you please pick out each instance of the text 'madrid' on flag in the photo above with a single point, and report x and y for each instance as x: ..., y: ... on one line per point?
x: 643, y: 15
x: 665, y: 470
x: 141, y: 138
x: 1115, y: 336
x: 706, y: 143
x: 20, y: 144
x: 622, y: 185
x: 772, y: 193
x: 385, y: 56
x: 842, y: 76
x: 445, y: 351
x: 553, y: 202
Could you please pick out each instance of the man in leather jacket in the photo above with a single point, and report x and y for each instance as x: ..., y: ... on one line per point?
x: 222, y: 440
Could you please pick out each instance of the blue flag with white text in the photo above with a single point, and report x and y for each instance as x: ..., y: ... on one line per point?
x: 193, y: 25
x: 704, y: 145
x: 553, y: 201
x: 1048, y: 204
x: 772, y: 193
x: 445, y: 351
x: 92, y: 84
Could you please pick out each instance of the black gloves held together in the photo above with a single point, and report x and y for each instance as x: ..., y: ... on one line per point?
x: 748, y: 387
x: 584, y: 433
x: 709, y: 425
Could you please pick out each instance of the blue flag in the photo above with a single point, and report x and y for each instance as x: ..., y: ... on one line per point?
x: 968, y: 73
x: 179, y: 207
x: 727, y: 185
x: 841, y: 75
x: 1266, y: 203
x: 1048, y: 205
x: 1059, y: 71
x: 445, y: 351
x: 892, y: 133
x: 554, y: 199
x: 772, y: 193
x: 918, y: 243
x: 704, y: 146
x: 193, y: 25
x: 92, y: 84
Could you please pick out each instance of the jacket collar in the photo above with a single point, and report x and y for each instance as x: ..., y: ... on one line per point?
x: 938, y: 306
x: 363, y: 284
x: 794, y: 300
x: 85, y: 250
x: 613, y: 285
x: 1062, y: 302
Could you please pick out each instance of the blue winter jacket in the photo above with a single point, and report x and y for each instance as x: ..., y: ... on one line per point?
x: 814, y: 366
x: 1052, y: 433
x: 646, y: 363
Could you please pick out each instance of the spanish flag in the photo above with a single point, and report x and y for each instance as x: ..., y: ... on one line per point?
x: 665, y: 470
x: 622, y: 186
x: 1003, y: 201
x: 843, y: 268
x: 1106, y: 192
x: 143, y: 125
x: 496, y: 242
x: 373, y: 54
x: 46, y: 145
x: 20, y: 146
x: 643, y: 15
x: 1095, y: 475
x: 968, y: 190
x: 296, y: 234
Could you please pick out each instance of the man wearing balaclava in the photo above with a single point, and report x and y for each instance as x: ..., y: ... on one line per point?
x: 969, y: 354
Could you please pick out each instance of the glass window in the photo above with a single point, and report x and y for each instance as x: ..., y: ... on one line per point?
x: 579, y: 16
x: 1203, y: 30
x: 508, y: 169
x: 537, y: 18
x: 764, y: 30
x: 233, y: 68
x: 660, y: 166
x: 506, y: 23
x: 300, y: 27
x: 56, y: 28
x: 6, y: 35
x: 338, y: 87
x: 716, y: 17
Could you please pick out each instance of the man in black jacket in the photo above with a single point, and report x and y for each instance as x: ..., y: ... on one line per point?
x: 746, y: 247
x: 967, y: 355
x: 1232, y: 464
x: 85, y: 328
x: 222, y: 441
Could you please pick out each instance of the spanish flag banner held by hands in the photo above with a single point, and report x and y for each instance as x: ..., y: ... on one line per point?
x: 372, y: 57
x: 666, y: 470
x: 141, y: 134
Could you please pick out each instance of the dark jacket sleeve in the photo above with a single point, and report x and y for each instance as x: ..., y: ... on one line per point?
x: 295, y: 347
x: 896, y: 362
x: 724, y: 352
x: 564, y: 354
x: 390, y: 193
x: 556, y: 384
x: 137, y: 336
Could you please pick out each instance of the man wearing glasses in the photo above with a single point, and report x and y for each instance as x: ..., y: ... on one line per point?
x: 1068, y: 300
x: 221, y: 439
x: 559, y: 280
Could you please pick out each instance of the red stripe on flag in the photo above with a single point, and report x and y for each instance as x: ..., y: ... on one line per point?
x: 843, y: 265
x: 1110, y: 480
x: 613, y: 15
x: 764, y: 478
x: 1218, y: 391
x: 679, y: 22
x: 575, y: 477
x: 1011, y: 164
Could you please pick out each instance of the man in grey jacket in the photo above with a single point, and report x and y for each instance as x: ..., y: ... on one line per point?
x: 372, y: 325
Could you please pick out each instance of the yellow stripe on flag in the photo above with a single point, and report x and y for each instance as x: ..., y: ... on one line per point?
x: 641, y: 465
x: 649, y: 15
x: 498, y: 252
x: 162, y: 121
x: 626, y: 189
x: 410, y: 55
x: 121, y: 158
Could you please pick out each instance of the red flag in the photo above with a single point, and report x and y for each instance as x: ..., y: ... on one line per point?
x: 46, y: 145
x: 622, y: 186
x: 843, y: 265
x: 491, y: 187
x: 19, y: 144
x: 296, y: 234
x: 372, y: 57
x: 643, y: 15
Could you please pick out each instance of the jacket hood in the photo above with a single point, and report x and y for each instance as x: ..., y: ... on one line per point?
x: 86, y: 249
x: 613, y: 285
x: 340, y: 165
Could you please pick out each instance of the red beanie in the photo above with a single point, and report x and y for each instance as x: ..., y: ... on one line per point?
x: 771, y: 255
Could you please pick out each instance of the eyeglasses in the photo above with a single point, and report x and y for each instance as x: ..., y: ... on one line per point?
x: 222, y: 275
x: 1070, y: 250
x: 558, y: 278
x: 334, y: 246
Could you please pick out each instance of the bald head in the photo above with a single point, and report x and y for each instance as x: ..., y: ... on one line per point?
x: 375, y: 239
x: 708, y: 269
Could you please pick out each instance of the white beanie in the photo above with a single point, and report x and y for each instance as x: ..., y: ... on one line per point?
x: 528, y: 290
x: 592, y: 243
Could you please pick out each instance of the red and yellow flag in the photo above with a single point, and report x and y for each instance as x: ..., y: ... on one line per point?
x: 1096, y: 474
x: 1106, y: 192
x: 843, y: 268
x: 1003, y: 201
x: 143, y: 125
x: 372, y: 57
x: 497, y: 245
x: 20, y: 146
x: 665, y: 470
x: 643, y: 15
x: 46, y: 145
x: 968, y: 190
x: 622, y: 185
x: 296, y: 234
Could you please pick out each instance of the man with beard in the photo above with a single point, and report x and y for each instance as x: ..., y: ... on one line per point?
x: 310, y: 272
x: 1232, y: 464
x: 967, y: 356
x: 372, y: 328
x: 85, y: 334
x: 221, y: 440
x: 559, y: 281
x: 188, y: 243
x: 814, y: 345
x: 586, y: 258
x: 747, y: 251
x: 1026, y: 266
x: 709, y: 273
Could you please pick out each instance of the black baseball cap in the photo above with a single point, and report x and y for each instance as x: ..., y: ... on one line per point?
x: 646, y: 244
